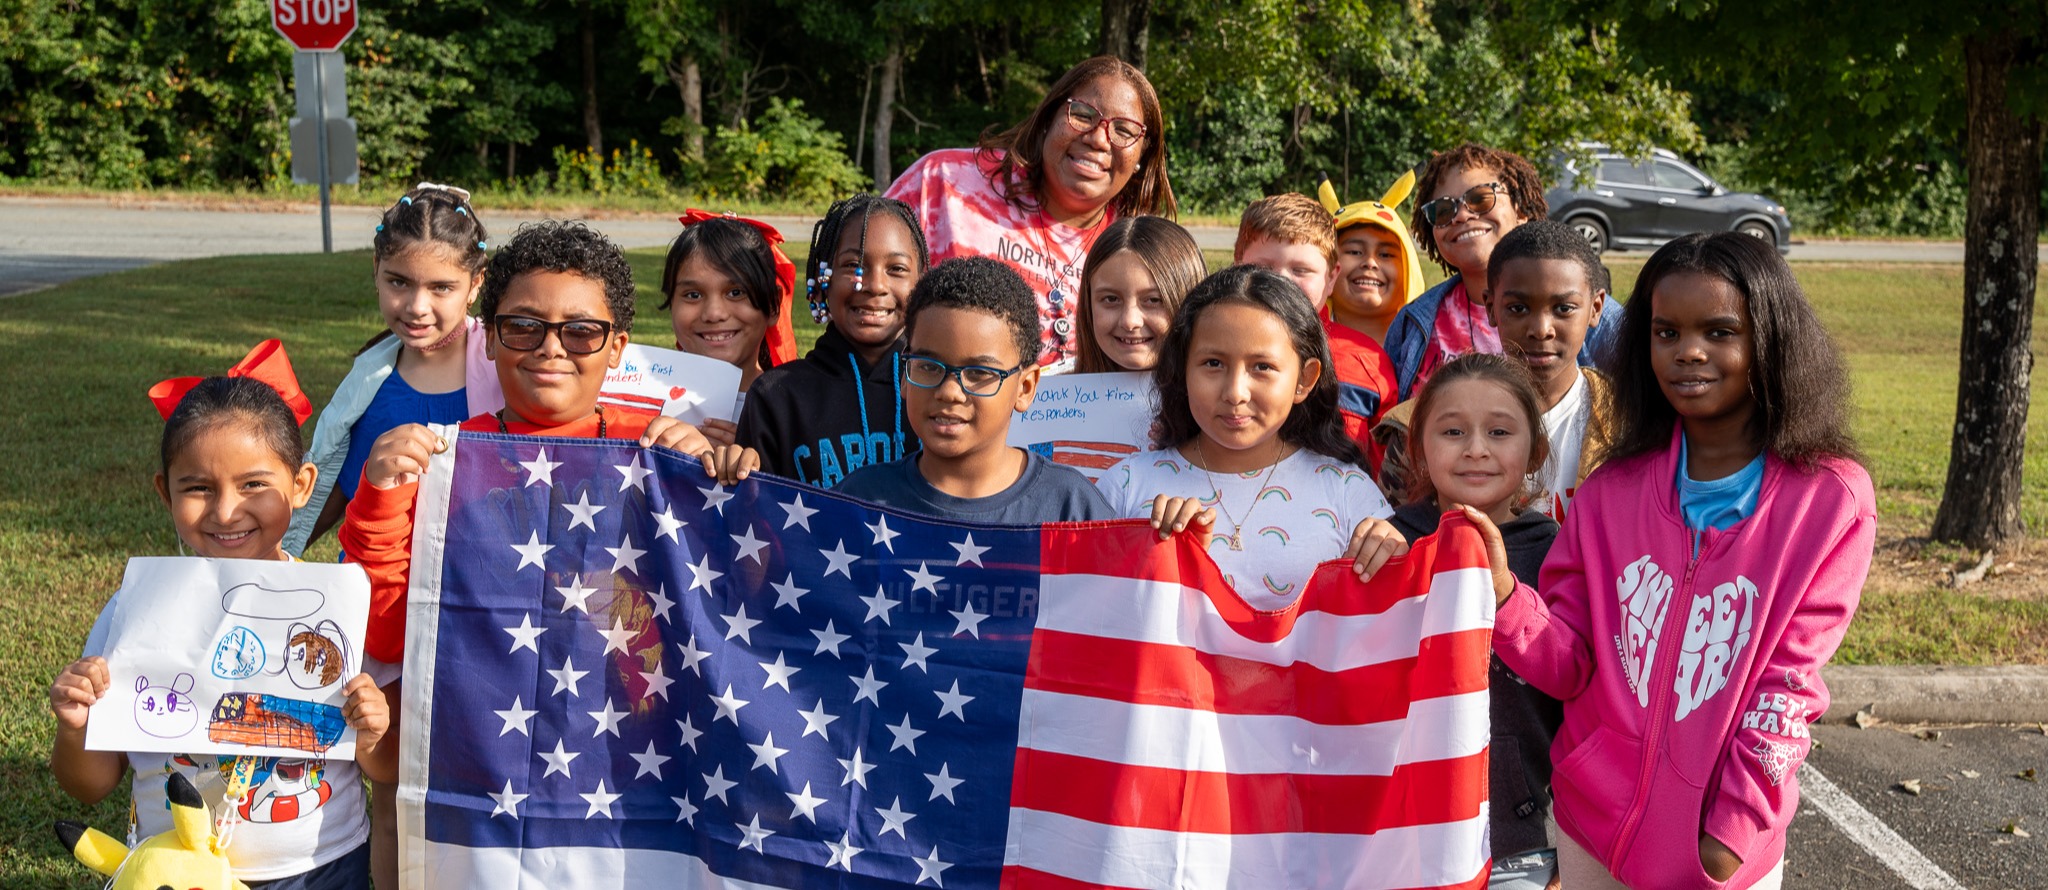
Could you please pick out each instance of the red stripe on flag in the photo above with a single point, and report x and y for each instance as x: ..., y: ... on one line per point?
x: 1427, y: 793
x: 1017, y: 877
x: 1177, y: 677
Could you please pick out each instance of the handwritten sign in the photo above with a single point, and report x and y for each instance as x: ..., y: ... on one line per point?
x: 231, y: 656
x: 688, y: 387
x: 1088, y: 421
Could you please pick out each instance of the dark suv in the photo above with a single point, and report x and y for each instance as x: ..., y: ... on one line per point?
x: 1626, y: 203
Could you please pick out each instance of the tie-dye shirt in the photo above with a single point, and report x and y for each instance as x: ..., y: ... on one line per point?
x: 1300, y: 516
x: 963, y: 215
x: 1461, y: 327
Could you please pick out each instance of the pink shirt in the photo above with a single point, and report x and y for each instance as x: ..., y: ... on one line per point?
x: 1461, y: 328
x: 962, y: 215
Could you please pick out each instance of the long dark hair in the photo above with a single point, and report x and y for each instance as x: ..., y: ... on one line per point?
x: 1796, y: 374
x: 1315, y: 423
x: 738, y: 251
x: 1511, y: 375
x: 1014, y: 151
x: 1166, y: 251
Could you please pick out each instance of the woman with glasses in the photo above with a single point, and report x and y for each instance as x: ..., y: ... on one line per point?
x: 1036, y: 195
x: 1466, y: 201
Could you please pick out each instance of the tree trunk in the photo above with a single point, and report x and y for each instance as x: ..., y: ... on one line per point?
x: 1980, y: 507
x: 689, y: 81
x: 511, y: 160
x: 885, y: 110
x: 593, y: 134
x: 1126, y: 25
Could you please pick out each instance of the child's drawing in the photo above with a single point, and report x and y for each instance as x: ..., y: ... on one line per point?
x: 239, y: 655
x: 254, y: 600
x: 252, y: 718
x: 166, y: 712
x: 315, y: 657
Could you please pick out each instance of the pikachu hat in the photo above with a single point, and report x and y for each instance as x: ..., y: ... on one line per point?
x: 1381, y: 213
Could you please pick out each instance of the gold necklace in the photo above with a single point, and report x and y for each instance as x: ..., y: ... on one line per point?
x: 1236, y: 539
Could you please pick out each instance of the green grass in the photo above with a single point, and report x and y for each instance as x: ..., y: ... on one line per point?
x: 77, y: 442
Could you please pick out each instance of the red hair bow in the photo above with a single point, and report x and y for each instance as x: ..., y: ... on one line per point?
x: 781, y: 336
x: 266, y: 363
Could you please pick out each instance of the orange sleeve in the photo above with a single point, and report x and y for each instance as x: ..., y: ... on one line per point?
x: 376, y: 533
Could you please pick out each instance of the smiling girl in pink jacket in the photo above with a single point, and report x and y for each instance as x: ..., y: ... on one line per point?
x: 1706, y: 573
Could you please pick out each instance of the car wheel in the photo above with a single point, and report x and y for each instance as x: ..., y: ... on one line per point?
x: 1759, y: 231
x: 1591, y: 230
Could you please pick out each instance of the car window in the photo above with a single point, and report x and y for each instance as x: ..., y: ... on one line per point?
x: 1621, y: 172
x: 1672, y: 176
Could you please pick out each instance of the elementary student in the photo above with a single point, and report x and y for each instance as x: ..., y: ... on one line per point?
x: 1137, y: 272
x: 972, y: 364
x: 1378, y: 269
x: 727, y: 287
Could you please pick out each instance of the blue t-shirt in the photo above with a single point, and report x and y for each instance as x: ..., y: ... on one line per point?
x: 1718, y: 503
x: 1044, y: 492
x: 396, y: 404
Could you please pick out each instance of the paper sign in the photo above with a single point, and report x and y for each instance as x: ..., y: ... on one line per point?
x: 231, y: 656
x: 688, y: 387
x: 1088, y: 421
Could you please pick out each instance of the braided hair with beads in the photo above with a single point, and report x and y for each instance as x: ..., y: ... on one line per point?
x: 825, y: 240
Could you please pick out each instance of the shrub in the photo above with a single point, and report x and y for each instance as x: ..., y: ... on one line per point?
x: 785, y: 154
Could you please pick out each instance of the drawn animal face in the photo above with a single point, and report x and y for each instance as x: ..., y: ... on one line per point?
x: 166, y: 712
x: 315, y: 656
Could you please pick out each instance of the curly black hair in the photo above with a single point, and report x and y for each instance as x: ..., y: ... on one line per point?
x: 556, y: 246
x: 1519, y: 182
x: 1315, y: 423
x: 1796, y: 374
x: 1546, y: 239
x: 983, y: 285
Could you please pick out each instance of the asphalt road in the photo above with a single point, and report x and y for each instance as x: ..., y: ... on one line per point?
x: 44, y: 241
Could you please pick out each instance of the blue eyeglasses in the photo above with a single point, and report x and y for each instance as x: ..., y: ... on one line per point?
x: 975, y: 380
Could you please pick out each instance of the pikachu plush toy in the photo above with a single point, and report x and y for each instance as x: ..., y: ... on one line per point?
x: 188, y: 857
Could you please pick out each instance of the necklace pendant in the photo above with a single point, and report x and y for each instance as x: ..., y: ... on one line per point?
x: 1237, y: 540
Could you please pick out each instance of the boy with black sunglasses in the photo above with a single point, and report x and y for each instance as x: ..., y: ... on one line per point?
x: 971, y: 364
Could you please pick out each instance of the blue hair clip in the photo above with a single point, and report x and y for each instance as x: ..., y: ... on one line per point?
x: 406, y: 200
x: 380, y: 227
x: 480, y: 245
x: 462, y: 210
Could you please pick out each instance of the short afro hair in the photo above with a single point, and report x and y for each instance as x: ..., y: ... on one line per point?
x: 556, y: 246
x: 1547, y: 239
x: 984, y: 285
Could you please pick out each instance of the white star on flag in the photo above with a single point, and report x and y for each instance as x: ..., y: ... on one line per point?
x: 617, y: 638
x: 815, y: 720
x: 575, y: 596
x: 739, y: 625
x: 923, y: 578
x: 729, y: 706
x: 685, y: 810
x: 866, y: 687
x: 716, y: 784
x: 636, y: 474
x: 884, y: 538
x: 600, y: 801
x: 931, y: 867
x: 943, y: 783
x: 517, y: 716
x: 954, y: 702
x: 558, y: 760
x: 626, y: 556
x: 894, y: 818
x: 856, y: 770
x: 779, y: 673
x: 657, y: 684
x: 766, y: 754
x: 828, y: 640
x: 507, y: 801
x: 970, y: 621
x: 667, y: 523
x: 540, y: 470
x: 525, y: 636
x: 879, y: 606
x: 906, y: 737
x: 650, y: 762
x: 567, y: 677
x: 839, y: 560
x: 715, y: 497
x: 787, y: 593
x: 583, y: 512
x: 533, y: 552
x: 805, y: 804
x: 843, y: 852
x: 969, y: 552
x: 690, y: 733
x: 750, y: 546
x: 690, y: 654
x: 915, y: 652
x: 754, y: 834
x: 702, y: 574
x: 658, y: 601
x: 608, y: 720
x: 798, y: 514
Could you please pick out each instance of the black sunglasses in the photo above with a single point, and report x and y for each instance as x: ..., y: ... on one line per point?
x: 579, y: 336
x: 1478, y: 199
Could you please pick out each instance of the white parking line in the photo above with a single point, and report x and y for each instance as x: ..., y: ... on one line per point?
x: 1870, y: 833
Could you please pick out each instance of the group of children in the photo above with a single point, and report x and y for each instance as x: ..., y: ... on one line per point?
x: 1317, y: 369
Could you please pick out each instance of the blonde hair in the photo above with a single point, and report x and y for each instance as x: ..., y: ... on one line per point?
x: 1291, y: 218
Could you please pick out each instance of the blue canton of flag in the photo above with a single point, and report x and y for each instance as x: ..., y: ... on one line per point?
x: 640, y: 678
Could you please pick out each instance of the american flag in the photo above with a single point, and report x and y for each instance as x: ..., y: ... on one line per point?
x: 621, y: 674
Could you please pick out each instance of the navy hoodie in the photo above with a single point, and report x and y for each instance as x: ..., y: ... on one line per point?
x: 820, y: 418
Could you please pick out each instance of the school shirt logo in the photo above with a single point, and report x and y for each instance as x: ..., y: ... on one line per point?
x: 1717, y: 629
x: 1645, y: 593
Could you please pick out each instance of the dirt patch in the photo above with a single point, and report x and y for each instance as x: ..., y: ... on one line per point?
x: 1910, y: 563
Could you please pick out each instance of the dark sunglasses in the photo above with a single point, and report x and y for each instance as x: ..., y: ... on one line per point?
x: 579, y: 336
x: 1478, y: 199
x: 975, y: 380
x: 1123, y: 132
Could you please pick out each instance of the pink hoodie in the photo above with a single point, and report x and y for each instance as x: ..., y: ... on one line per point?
x: 1687, y: 690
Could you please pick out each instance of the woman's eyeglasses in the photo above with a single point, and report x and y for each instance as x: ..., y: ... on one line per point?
x: 1478, y: 199
x: 579, y: 336
x: 975, y: 380
x: 1123, y: 132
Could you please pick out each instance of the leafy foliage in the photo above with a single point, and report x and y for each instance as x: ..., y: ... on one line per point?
x: 789, y: 154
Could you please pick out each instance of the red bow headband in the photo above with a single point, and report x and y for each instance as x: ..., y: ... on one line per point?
x: 780, y: 337
x: 265, y: 364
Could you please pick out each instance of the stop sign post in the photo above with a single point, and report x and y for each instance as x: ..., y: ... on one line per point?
x: 317, y: 26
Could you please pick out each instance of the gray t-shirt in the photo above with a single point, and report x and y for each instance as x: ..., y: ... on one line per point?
x: 1045, y: 492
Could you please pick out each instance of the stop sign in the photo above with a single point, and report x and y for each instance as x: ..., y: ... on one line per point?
x: 314, y: 25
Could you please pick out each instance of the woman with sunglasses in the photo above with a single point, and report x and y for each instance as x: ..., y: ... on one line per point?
x: 1036, y: 195
x: 1468, y: 199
